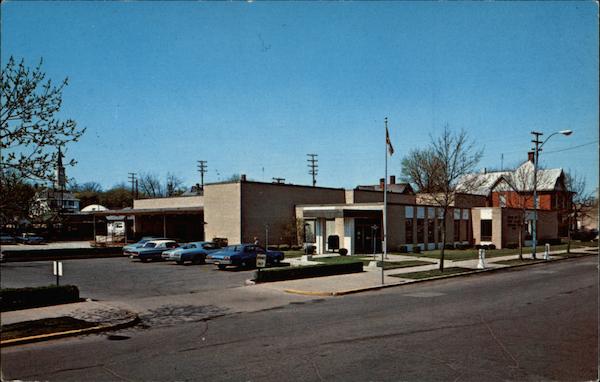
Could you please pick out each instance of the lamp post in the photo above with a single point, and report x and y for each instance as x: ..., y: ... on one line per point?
x: 538, y: 148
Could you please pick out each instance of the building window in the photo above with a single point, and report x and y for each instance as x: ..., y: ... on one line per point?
x: 408, y: 230
x: 457, y: 230
x: 430, y: 231
x: 309, y: 231
x: 420, y: 230
x: 486, y: 230
x: 502, y: 200
x: 439, y: 230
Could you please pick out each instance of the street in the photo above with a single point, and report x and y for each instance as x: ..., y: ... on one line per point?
x: 535, y: 323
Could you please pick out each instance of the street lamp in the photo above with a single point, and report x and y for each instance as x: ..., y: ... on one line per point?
x: 538, y: 147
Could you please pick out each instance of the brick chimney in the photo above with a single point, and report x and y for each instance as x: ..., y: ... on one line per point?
x: 530, y: 156
x: 381, y: 182
x: 392, y: 179
x: 243, y: 178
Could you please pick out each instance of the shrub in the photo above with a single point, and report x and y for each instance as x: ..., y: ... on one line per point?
x: 492, y: 246
x: 296, y: 247
x: 343, y: 251
x: 290, y: 273
x: 403, y: 249
x: 450, y: 246
x: 416, y: 249
x: 310, y: 249
x: 284, y: 247
x: 25, y: 298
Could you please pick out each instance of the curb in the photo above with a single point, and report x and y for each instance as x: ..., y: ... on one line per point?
x: 475, y: 271
x: 132, y: 320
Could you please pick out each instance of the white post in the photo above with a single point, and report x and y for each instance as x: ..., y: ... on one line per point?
x: 481, y: 263
x: 546, y: 252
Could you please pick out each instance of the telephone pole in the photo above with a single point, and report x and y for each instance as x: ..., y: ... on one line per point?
x: 133, y: 182
x: 313, y: 165
x: 202, y: 169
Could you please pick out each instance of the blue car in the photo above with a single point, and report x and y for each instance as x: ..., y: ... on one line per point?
x: 195, y: 252
x: 153, y: 250
x: 128, y: 249
x: 242, y: 255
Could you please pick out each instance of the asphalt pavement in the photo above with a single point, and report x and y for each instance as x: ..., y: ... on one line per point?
x: 535, y: 323
x: 122, y: 279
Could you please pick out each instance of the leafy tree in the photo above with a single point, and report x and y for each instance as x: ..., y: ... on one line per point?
x: 441, y: 170
x: 29, y: 129
x: 118, y: 196
x: 15, y: 204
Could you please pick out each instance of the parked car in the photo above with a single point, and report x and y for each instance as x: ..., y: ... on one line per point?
x: 153, y: 250
x: 30, y: 238
x: 242, y: 255
x: 128, y: 248
x: 7, y: 239
x: 195, y: 252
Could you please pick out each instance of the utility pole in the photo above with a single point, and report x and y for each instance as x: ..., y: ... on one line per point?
x: 313, y: 165
x: 202, y: 169
x: 133, y: 182
x: 279, y: 180
x: 537, y: 149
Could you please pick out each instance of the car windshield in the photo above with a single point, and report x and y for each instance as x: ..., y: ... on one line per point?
x: 149, y: 245
x: 235, y: 248
x: 188, y: 246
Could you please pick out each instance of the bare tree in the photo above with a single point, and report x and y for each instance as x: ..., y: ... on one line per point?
x: 441, y: 170
x: 29, y: 130
x: 151, y: 186
x: 520, y: 184
x: 579, y: 207
x: 174, y: 185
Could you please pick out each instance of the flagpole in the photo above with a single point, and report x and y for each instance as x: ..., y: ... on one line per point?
x: 384, y: 244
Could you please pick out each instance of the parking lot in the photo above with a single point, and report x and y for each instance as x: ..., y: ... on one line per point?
x: 123, y: 279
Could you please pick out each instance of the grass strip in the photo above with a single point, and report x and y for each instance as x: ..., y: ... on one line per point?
x: 519, y: 262
x: 43, y: 326
x: 431, y: 273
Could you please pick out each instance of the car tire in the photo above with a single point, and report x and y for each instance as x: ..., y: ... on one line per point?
x: 143, y: 260
x: 198, y: 260
x: 179, y: 262
x: 222, y: 267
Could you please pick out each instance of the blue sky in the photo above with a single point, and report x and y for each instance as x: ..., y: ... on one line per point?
x: 253, y: 86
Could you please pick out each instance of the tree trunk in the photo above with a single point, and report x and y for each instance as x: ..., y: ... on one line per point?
x: 568, y: 235
x: 443, y: 243
x: 521, y: 242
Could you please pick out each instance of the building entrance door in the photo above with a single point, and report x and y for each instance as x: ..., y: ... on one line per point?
x: 367, y: 233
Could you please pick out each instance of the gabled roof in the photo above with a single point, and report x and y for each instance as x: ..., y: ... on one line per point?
x: 521, y: 179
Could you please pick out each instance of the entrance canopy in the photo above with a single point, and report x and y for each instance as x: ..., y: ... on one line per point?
x: 151, y: 211
x: 342, y: 211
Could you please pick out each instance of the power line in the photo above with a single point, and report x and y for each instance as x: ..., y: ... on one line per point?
x: 202, y: 168
x: 313, y: 164
x: 572, y: 147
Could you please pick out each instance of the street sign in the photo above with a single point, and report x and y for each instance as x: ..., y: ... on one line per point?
x: 57, y: 268
x: 261, y: 260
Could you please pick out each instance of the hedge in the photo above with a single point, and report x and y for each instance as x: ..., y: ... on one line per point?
x: 58, y: 253
x: 306, y: 271
x: 25, y: 298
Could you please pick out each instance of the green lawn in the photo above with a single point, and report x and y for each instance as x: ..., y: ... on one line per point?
x: 518, y: 262
x: 366, y: 260
x: 43, y: 326
x: 468, y: 254
x: 432, y: 273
